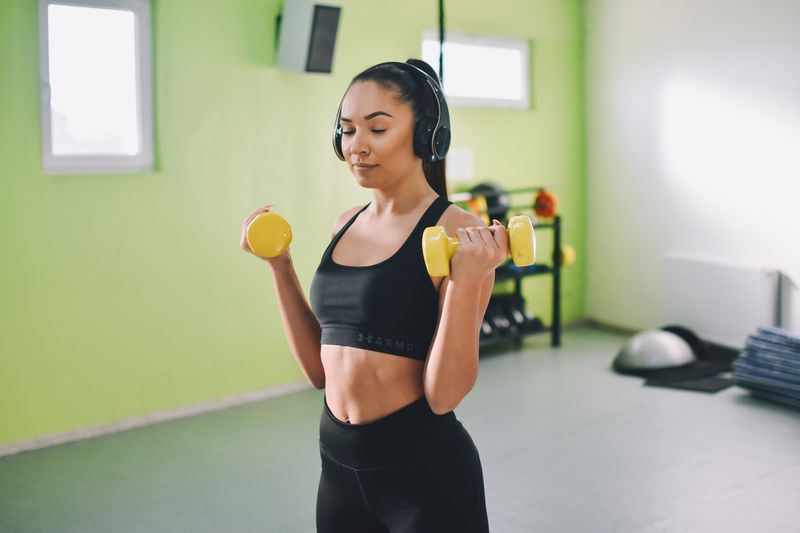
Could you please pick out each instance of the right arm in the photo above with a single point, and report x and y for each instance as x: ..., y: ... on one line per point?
x: 299, y: 322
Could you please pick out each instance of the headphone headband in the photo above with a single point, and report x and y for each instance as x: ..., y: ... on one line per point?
x: 431, y: 133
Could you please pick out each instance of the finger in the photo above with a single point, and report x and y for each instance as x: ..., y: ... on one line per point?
x: 257, y: 212
x: 487, y: 237
x: 496, y: 227
x: 463, y: 235
x: 474, y: 235
x: 501, y: 238
x: 264, y: 209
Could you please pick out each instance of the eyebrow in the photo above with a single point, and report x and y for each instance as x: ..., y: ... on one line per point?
x: 368, y: 117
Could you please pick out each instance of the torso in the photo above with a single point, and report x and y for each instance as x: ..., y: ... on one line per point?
x: 363, y: 385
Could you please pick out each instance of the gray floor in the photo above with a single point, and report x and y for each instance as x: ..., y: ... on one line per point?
x: 566, y: 446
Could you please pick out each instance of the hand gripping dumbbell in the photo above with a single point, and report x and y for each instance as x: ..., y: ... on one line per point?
x: 268, y: 234
x: 438, y: 248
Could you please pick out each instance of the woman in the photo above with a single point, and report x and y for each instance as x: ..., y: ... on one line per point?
x: 395, y: 349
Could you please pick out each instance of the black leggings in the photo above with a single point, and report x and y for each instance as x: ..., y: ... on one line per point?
x: 412, y: 471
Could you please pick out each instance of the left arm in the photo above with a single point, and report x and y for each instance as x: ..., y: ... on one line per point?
x: 451, y: 368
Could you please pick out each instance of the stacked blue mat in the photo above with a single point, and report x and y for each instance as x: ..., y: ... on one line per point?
x: 769, y: 365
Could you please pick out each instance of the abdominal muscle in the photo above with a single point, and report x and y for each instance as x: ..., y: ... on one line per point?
x: 362, y: 386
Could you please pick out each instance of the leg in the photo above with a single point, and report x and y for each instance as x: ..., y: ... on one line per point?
x: 442, y: 490
x: 408, y: 500
x: 340, y: 504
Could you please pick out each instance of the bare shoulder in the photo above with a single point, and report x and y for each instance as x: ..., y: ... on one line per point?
x: 455, y: 217
x: 343, y: 218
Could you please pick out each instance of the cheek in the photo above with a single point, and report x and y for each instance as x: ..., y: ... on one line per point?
x: 400, y: 143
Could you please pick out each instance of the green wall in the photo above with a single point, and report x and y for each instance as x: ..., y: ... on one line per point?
x: 128, y: 294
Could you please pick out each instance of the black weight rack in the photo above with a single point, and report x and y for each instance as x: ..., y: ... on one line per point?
x: 503, y: 308
x: 517, y: 332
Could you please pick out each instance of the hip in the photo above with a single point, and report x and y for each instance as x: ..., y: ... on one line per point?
x: 412, y: 433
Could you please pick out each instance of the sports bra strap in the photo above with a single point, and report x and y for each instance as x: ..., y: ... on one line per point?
x: 432, y: 215
x: 350, y: 222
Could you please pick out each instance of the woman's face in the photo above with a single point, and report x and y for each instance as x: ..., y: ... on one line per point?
x: 377, y: 129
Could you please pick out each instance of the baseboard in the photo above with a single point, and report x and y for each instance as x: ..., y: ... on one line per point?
x: 611, y: 328
x: 576, y: 324
x: 150, y: 418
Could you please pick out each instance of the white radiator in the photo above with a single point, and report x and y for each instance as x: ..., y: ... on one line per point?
x: 722, y: 303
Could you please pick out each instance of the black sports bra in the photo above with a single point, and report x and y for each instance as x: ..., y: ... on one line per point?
x: 388, y: 307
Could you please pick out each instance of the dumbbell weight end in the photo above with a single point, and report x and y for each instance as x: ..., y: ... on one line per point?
x: 268, y: 235
x: 522, y: 241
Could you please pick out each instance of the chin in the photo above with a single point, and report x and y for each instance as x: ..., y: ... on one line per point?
x: 365, y: 180
x: 367, y: 183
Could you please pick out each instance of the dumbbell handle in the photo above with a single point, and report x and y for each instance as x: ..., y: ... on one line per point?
x: 522, y: 251
x: 438, y: 248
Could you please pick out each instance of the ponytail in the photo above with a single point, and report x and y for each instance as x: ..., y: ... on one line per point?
x: 435, y: 174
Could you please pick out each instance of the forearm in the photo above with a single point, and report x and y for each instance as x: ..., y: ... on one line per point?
x: 299, y: 323
x: 452, y: 367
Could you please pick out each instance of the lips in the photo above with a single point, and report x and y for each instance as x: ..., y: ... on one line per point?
x: 359, y: 165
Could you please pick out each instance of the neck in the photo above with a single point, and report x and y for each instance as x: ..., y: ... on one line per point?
x: 408, y: 196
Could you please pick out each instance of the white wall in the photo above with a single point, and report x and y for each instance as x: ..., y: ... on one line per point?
x: 693, y: 113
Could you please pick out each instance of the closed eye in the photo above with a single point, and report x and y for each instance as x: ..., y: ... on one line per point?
x: 352, y: 132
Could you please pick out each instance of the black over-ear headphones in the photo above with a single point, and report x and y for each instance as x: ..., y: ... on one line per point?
x: 431, y: 132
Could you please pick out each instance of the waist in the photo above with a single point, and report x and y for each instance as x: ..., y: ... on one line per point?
x: 405, y: 345
x: 369, y: 385
x: 395, y: 438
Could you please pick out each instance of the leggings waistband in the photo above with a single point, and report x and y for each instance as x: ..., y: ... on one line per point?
x: 393, y: 439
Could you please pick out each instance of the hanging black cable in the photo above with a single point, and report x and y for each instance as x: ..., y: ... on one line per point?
x: 441, y: 43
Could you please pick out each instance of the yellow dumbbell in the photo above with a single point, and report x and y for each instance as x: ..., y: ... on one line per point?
x: 268, y: 234
x: 438, y: 248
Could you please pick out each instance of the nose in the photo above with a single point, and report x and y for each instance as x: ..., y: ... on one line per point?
x: 358, y: 143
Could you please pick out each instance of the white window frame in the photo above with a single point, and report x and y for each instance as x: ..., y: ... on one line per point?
x: 86, y: 164
x: 522, y: 45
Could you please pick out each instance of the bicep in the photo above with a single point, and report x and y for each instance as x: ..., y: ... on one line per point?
x: 485, y: 293
x: 442, y: 292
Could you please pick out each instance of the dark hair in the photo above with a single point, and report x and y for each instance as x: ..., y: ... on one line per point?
x: 412, y: 90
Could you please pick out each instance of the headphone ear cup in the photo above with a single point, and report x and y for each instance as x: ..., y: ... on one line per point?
x: 442, y: 142
x: 423, y: 134
x: 337, y: 142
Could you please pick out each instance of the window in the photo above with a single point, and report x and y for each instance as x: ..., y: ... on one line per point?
x: 96, y: 96
x: 481, y: 71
